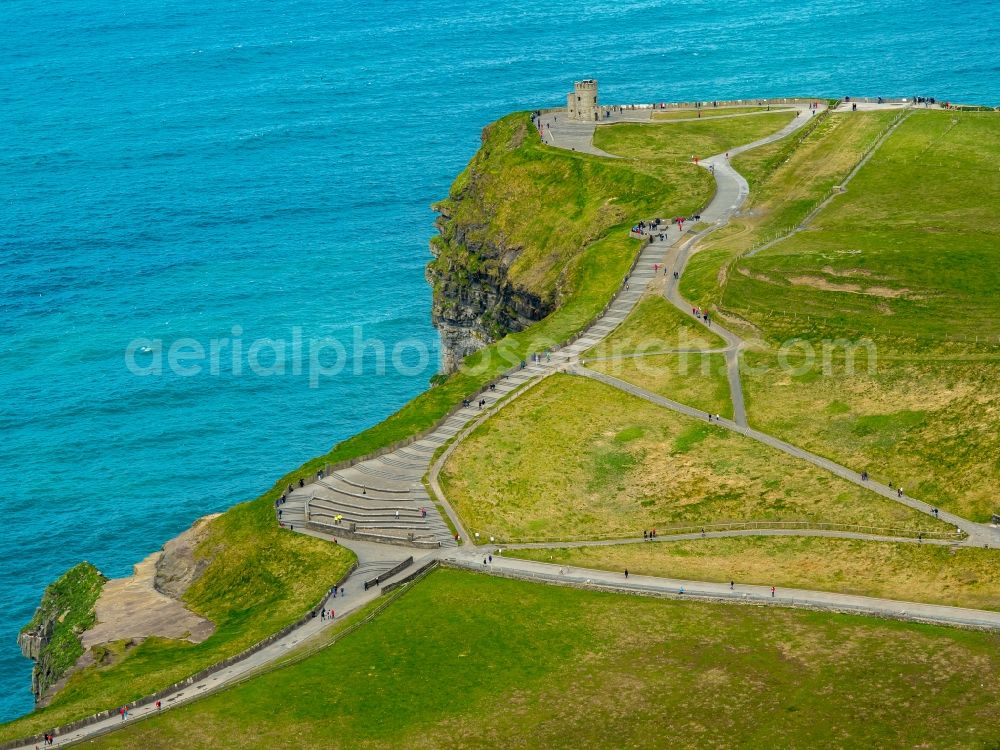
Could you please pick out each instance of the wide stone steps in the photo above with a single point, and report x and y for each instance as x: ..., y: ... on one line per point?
x: 350, y: 491
x: 365, y: 482
x: 379, y: 470
x: 408, y: 509
x: 362, y: 524
x: 371, y: 493
x: 403, y: 461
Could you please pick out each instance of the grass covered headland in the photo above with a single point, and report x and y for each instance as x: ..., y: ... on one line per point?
x: 66, y: 611
x: 904, y: 256
x: 260, y: 578
x: 465, y: 660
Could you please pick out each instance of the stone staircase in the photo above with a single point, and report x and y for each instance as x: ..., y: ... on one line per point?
x: 384, y: 499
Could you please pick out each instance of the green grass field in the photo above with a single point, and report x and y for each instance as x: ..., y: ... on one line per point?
x: 908, y: 255
x: 787, y: 179
x: 574, y: 458
x: 905, y: 258
x: 678, y: 142
x: 961, y: 577
x: 642, y: 350
x: 697, y: 380
x: 465, y: 660
x: 654, y: 325
x: 923, y: 423
x: 710, y: 112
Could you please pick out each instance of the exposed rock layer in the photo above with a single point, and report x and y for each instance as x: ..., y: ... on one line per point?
x: 475, y: 303
x: 126, y: 611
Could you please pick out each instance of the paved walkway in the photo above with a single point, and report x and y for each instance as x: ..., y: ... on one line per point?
x: 742, y: 593
x: 665, y: 536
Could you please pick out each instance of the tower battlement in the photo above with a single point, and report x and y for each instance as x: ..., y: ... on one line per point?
x: 581, y: 102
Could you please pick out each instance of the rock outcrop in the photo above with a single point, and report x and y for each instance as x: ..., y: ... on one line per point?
x: 476, y: 302
x: 178, y: 567
x: 83, y: 610
x: 52, y: 638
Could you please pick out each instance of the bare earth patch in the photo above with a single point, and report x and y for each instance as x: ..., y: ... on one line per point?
x: 132, y: 609
x: 818, y: 282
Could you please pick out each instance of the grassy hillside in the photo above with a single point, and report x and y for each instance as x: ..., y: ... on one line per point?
x: 464, y: 660
x: 962, y: 577
x: 787, y: 179
x: 644, y: 350
x: 260, y: 579
x: 655, y: 325
x: 926, y: 423
x: 909, y: 254
x: 545, y: 205
x: 574, y: 458
x: 907, y: 258
x: 678, y: 142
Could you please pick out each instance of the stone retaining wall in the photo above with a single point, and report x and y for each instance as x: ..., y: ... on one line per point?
x: 389, y: 573
x: 345, y: 533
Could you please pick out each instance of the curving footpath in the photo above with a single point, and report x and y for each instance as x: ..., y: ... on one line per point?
x: 721, y: 592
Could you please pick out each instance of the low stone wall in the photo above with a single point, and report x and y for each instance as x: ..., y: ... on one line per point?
x: 38, y: 739
x: 389, y: 573
x: 426, y: 567
x: 343, y: 532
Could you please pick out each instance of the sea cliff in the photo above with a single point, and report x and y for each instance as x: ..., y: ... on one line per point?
x: 52, y: 638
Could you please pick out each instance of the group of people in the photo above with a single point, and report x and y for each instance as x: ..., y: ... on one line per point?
x: 656, y: 228
x: 701, y: 314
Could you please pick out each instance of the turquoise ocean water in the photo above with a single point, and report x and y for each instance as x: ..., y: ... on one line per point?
x: 175, y: 170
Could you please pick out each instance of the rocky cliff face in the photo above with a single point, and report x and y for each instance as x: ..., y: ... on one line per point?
x: 475, y: 300
x: 178, y: 567
x: 474, y: 303
x: 52, y: 638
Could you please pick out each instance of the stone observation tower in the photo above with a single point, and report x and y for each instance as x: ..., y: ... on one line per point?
x: 581, y: 102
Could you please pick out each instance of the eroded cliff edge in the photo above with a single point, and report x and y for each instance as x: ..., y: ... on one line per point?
x: 513, y: 229
x: 476, y: 301
x: 83, y: 611
x: 52, y: 638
